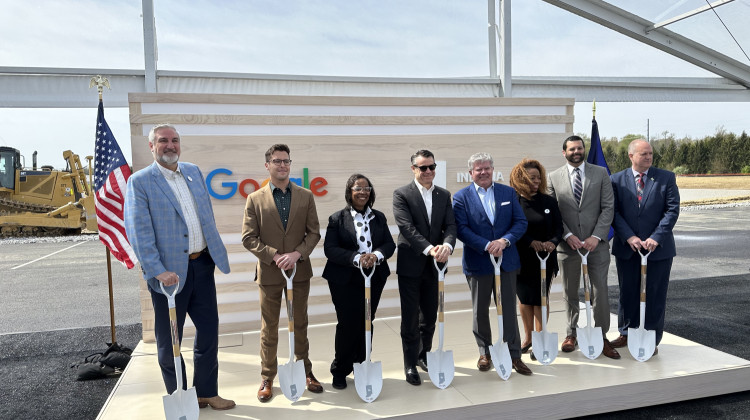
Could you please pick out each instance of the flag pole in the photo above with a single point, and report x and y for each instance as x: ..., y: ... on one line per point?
x: 100, y: 81
x: 593, y: 110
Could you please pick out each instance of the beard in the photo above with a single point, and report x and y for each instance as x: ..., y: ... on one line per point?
x: 575, y: 158
x: 167, y: 159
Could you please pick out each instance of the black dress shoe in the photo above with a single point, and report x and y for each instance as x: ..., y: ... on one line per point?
x: 339, y: 382
x: 412, y: 376
x: 422, y: 363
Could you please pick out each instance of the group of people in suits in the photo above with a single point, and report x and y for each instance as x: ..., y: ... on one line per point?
x: 170, y: 223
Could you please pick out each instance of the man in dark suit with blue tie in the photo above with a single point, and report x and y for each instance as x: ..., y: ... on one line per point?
x: 490, y: 221
x: 647, y: 204
x: 427, y: 230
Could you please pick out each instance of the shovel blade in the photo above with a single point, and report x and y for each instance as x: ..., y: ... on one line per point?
x: 441, y: 368
x: 368, y: 380
x: 641, y: 343
x: 544, y: 346
x: 501, y: 359
x: 181, y: 405
x: 590, y: 341
x: 292, y: 379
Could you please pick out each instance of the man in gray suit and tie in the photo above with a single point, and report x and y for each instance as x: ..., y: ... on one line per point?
x: 584, y: 195
x: 170, y: 224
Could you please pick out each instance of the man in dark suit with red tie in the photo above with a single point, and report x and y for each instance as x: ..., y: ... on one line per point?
x: 427, y: 230
x: 647, y: 204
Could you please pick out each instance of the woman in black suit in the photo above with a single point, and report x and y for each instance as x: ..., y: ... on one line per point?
x: 356, y: 236
x: 543, y: 233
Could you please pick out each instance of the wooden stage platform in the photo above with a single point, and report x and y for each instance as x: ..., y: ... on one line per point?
x: 571, y: 386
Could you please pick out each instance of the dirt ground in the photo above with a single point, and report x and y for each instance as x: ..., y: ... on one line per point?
x: 739, y: 182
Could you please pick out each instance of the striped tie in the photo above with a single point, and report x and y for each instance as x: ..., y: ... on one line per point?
x: 639, y: 186
x: 577, y: 186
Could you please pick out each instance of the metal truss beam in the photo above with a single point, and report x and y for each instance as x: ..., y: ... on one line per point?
x: 670, y: 42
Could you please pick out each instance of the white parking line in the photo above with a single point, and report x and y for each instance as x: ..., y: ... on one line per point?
x: 48, y: 255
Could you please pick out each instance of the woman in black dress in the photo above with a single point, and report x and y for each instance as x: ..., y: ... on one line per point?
x: 356, y: 236
x: 544, y: 232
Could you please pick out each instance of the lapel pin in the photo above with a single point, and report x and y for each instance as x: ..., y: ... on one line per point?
x: 190, y: 179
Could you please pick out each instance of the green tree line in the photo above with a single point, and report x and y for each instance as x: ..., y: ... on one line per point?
x: 722, y: 153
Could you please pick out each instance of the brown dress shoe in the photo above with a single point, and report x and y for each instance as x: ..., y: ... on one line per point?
x: 521, y: 367
x: 621, y: 341
x: 313, y: 385
x: 217, y: 403
x: 484, y: 364
x: 609, y: 351
x: 265, y: 393
x: 569, y: 344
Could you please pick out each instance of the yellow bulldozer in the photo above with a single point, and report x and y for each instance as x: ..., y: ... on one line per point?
x: 44, y: 201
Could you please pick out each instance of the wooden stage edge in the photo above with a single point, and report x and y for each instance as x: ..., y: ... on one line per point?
x: 569, y: 387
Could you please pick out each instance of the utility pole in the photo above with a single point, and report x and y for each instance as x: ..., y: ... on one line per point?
x: 648, y: 127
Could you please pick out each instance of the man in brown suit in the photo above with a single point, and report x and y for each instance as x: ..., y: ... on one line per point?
x: 281, y: 228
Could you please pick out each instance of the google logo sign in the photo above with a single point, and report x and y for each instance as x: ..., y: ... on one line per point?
x: 230, y: 188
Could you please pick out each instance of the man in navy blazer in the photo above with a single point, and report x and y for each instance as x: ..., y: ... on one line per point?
x: 170, y: 224
x: 489, y: 221
x: 647, y: 204
x: 427, y: 231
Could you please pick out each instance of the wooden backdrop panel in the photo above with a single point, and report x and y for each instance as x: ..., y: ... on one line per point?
x: 334, y: 137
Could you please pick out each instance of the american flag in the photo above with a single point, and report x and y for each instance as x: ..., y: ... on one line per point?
x: 111, y: 173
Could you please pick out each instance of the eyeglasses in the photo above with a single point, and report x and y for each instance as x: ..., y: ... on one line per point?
x: 360, y: 189
x: 278, y: 162
x: 426, y: 167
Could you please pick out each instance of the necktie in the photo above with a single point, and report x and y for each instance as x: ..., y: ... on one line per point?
x: 577, y: 186
x: 639, y: 186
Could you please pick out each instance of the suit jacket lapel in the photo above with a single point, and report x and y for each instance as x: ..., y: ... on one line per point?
x: 166, y: 189
x: 349, y: 226
x: 567, y: 188
x: 477, y: 206
x: 648, y: 186
x: 417, y: 195
x: 270, y: 205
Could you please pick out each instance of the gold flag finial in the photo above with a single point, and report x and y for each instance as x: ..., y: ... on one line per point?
x: 99, y: 81
x: 593, y: 109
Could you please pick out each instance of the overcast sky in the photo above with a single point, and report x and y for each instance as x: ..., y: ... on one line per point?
x: 417, y: 38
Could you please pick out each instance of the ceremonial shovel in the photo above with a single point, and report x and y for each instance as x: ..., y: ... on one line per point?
x: 291, y: 374
x: 642, y: 342
x: 499, y: 351
x: 590, y: 339
x: 181, y: 404
x: 543, y: 343
x: 368, y: 376
x: 440, y: 362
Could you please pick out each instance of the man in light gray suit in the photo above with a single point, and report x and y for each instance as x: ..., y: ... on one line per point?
x: 584, y: 195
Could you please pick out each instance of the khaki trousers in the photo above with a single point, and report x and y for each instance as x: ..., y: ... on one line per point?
x: 271, y: 298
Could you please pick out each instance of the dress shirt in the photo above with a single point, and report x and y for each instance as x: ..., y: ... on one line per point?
x: 283, y: 200
x: 487, y: 197
x: 364, y: 238
x: 177, y: 183
x: 427, y: 197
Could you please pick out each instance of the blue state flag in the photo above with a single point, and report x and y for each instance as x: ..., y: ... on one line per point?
x: 596, y: 157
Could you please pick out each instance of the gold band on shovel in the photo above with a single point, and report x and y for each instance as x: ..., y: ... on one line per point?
x: 291, y: 374
x: 499, y: 351
x: 368, y: 376
x: 440, y: 362
x: 543, y: 343
x: 590, y: 338
x: 181, y: 404
x: 642, y: 342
